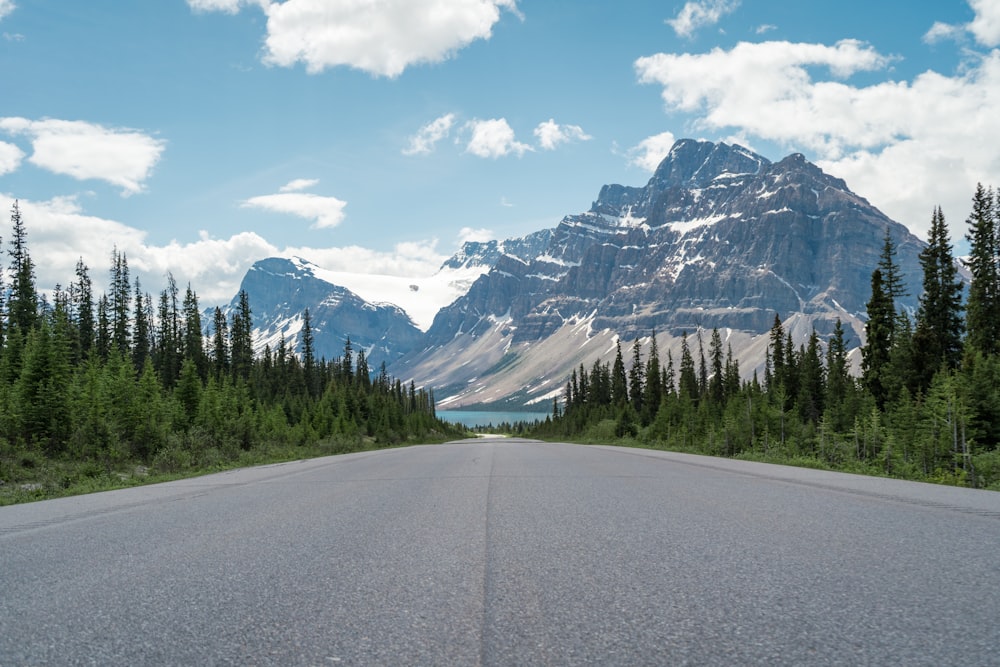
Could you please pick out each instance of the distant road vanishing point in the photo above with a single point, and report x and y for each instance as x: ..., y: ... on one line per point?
x: 506, y: 552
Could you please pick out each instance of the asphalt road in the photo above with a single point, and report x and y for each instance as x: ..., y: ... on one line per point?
x: 506, y: 553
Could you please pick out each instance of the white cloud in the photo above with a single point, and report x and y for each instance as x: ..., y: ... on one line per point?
x: 700, y: 13
x: 905, y: 145
x: 766, y: 89
x: 61, y: 232
x: 550, y: 134
x: 493, y: 138
x: 940, y: 31
x: 6, y: 7
x: 10, y: 158
x: 426, y: 138
x: 227, y: 6
x: 765, y: 28
x: 650, y: 152
x: 326, y: 212
x: 120, y: 156
x: 299, y: 184
x: 467, y: 234
x: 984, y: 27
x: 382, y: 38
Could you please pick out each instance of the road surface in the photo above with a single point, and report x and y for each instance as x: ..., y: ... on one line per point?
x: 506, y: 552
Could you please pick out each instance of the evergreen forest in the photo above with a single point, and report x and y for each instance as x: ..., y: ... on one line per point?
x: 925, y: 405
x: 120, y: 388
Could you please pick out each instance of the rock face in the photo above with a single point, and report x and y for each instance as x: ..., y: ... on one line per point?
x: 719, y: 237
x: 280, y: 290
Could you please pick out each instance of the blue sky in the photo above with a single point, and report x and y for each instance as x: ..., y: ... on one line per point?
x: 198, y: 136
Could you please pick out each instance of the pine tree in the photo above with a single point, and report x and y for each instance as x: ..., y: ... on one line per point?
x: 982, y: 315
x: 241, y: 338
x: 777, y: 355
x: 308, y: 354
x: 619, y: 382
x: 716, y: 390
x: 142, y: 344
x: 688, y: 383
x: 937, y: 340
x: 121, y: 301
x: 168, y: 343
x: 220, y: 344
x: 82, y: 296
x: 193, y: 342
x: 22, y: 303
x: 892, y: 278
x: 636, y: 375
x: 878, y: 339
x: 653, y: 390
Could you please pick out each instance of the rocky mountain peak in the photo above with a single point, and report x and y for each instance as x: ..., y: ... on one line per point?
x: 695, y: 164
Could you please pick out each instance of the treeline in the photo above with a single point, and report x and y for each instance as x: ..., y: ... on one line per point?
x: 926, y: 405
x: 126, y: 378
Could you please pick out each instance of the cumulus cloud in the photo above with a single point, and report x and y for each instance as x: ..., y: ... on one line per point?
x: 325, y: 212
x: 10, y: 158
x: 427, y: 137
x: 700, y: 13
x: 767, y: 90
x: 381, y: 38
x: 62, y: 232
x: 6, y: 7
x: 120, y: 156
x: 550, y: 134
x: 905, y: 145
x: 650, y: 152
x: 493, y: 138
x: 984, y: 27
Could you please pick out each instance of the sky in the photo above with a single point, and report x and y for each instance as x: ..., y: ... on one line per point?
x: 375, y: 136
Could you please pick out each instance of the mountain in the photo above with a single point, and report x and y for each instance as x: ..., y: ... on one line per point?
x: 279, y: 291
x: 718, y: 237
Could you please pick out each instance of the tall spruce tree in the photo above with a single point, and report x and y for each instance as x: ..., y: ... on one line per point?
x: 982, y: 313
x: 892, y: 277
x: 937, y: 339
x: 878, y: 339
x: 121, y: 302
x: 22, y: 303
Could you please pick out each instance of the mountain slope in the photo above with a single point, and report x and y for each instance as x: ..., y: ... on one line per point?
x: 719, y: 237
x: 280, y: 290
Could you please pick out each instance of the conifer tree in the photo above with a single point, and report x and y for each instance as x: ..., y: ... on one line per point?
x: 143, y: 327
x: 878, y: 339
x: 937, y: 339
x: 220, y: 344
x: 241, y: 338
x: 636, y: 376
x: 121, y: 301
x: 716, y: 389
x: 194, y: 342
x: 892, y: 278
x: 308, y: 354
x: 982, y: 315
x: 22, y: 303
x: 82, y: 297
x: 619, y: 382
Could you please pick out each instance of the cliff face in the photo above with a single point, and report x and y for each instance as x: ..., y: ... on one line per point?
x: 719, y: 237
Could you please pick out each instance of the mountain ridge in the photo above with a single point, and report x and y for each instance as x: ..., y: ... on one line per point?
x: 719, y: 237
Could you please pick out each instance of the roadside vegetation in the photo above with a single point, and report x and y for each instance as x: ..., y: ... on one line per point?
x: 99, y: 392
x: 926, y: 406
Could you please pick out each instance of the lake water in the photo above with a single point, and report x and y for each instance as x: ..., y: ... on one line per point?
x: 473, y: 418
